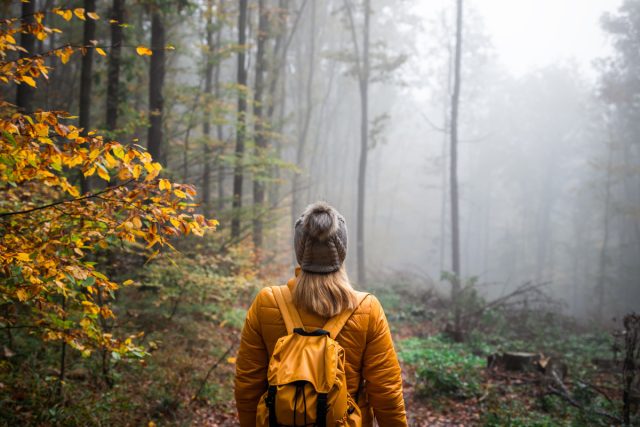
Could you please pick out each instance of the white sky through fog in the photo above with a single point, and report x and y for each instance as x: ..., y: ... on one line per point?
x: 530, y: 34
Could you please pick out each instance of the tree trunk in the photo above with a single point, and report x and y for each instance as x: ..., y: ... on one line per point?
x: 241, y: 121
x: 260, y: 137
x: 602, y: 263
x: 296, y: 207
x: 364, y: 144
x: 455, y: 222
x: 219, y: 128
x: 206, y: 125
x: 156, y: 84
x: 113, y: 73
x: 24, y: 92
x: 63, y: 354
x: 276, y: 70
x: 86, y: 79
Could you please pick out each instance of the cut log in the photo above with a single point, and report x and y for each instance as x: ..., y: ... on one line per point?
x: 514, y: 361
x: 518, y: 361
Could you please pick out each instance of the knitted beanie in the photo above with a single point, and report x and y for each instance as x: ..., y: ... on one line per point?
x: 320, y: 239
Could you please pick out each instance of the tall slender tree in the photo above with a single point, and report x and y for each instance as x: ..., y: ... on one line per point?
x: 276, y: 70
x: 259, y: 125
x: 86, y: 78
x: 24, y: 92
x: 206, y: 123
x: 306, y: 119
x: 364, y: 142
x: 241, y: 121
x: 453, y: 167
x: 363, y: 72
x: 156, y: 85
x: 221, y: 169
x: 113, y: 73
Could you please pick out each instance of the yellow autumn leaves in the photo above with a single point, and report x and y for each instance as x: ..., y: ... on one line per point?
x: 48, y: 229
x: 79, y: 12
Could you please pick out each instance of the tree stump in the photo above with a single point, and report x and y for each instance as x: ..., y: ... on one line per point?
x: 514, y: 361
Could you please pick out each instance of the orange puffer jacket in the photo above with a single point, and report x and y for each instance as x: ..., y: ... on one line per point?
x: 369, y: 355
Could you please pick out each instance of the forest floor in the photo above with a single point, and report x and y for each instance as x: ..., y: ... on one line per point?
x: 187, y: 377
x: 449, y: 384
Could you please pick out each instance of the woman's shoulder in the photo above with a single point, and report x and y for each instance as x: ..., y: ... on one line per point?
x: 266, y: 298
x: 370, y: 304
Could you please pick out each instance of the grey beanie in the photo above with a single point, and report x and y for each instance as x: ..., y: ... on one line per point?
x: 320, y: 239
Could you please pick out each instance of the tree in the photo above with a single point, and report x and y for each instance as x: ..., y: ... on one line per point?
x: 453, y: 168
x: 362, y: 71
x: 259, y: 125
x: 206, y: 124
x: 619, y: 90
x: 303, y: 131
x: 218, y: 94
x: 371, y: 63
x: 86, y: 78
x: 49, y: 281
x: 156, y: 84
x: 113, y: 73
x: 241, y: 121
x: 24, y: 91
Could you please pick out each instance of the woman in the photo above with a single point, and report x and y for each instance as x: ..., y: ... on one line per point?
x: 321, y: 290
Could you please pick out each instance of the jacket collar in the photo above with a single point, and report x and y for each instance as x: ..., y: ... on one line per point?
x: 292, y: 282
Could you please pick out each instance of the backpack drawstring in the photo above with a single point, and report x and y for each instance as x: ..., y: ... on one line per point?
x: 304, y: 401
x: 300, y: 389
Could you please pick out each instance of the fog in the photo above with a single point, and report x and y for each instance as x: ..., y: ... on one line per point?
x: 536, y: 142
x: 548, y: 152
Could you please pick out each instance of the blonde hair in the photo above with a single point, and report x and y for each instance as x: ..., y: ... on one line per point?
x: 324, y: 294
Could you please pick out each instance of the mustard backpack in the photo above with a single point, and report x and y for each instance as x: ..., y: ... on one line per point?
x: 307, y: 381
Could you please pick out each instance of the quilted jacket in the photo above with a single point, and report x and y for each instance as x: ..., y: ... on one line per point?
x: 369, y: 355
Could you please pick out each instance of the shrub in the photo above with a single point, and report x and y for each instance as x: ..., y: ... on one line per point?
x: 442, y: 368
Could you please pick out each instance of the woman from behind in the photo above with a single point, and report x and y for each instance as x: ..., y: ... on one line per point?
x: 321, y: 292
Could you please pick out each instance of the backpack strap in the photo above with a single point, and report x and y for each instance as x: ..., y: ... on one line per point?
x: 336, y: 323
x: 289, y: 312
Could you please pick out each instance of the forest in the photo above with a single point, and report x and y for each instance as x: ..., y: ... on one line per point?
x: 155, y: 156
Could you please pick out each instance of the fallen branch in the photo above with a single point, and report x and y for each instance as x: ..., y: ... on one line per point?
x: 524, y: 289
x: 211, y: 369
x: 563, y: 392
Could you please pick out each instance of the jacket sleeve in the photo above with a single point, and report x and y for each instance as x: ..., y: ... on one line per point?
x: 251, y: 366
x: 382, y: 371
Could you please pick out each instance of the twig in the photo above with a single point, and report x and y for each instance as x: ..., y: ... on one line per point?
x: 211, y: 369
x: 524, y: 289
x: 61, y: 202
x: 563, y: 392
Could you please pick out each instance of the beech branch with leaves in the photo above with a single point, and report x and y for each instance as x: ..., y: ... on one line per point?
x: 48, y: 228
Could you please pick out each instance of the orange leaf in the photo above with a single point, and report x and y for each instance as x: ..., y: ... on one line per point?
x: 79, y: 12
x: 103, y: 173
x: 165, y: 185
x: 29, y: 80
x: 144, y: 51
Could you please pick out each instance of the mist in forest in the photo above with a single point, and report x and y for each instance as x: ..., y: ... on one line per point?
x: 155, y: 156
x: 547, y: 186
x: 545, y: 196
x: 547, y: 152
